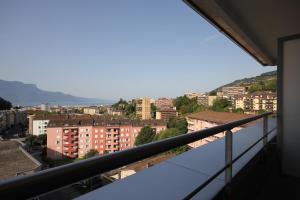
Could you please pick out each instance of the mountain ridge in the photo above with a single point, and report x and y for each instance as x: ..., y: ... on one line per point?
x: 20, y: 93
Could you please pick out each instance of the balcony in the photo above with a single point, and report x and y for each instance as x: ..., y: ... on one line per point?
x: 203, y: 172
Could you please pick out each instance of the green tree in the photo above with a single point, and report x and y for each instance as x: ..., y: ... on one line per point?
x: 42, y: 139
x: 172, y: 132
x: 120, y: 105
x: 4, y: 104
x: 185, y: 105
x: 145, y: 136
x: 90, y: 154
x: 30, y: 140
x: 153, y: 111
x: 220, y: 105
x: 180, y: 124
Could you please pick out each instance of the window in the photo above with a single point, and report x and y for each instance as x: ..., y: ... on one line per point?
x: 96, y: 136
x: 96, y: 147
x: 101, y: 136
x: 122, y: 129
x: 87, y: 135
x: 134, y: 130
x: 101, y: 146
x: 57, y: 136
x: 96, y: 131
x: 81, y: 130
x: 87, y: 130
x: 57, y: 142
x: 96, y: 141
x: 101, y: 131
x: 127, y: 135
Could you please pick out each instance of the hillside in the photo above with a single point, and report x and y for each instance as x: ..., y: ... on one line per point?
x: 19, y: 93
x: 264, y: 81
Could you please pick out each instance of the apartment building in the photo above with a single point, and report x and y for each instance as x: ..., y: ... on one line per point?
x: 164, y: 103
x: 208, y: 119
x: 91, y: 110
x: 233, y: 91
x: 45, y: 107
x: 256, y: 101
x: 166, y: 114
x: 192, y: 95
x: 9, y: 118
x: 206, y: 100
x: 73, y: 138
x: 143, y: 108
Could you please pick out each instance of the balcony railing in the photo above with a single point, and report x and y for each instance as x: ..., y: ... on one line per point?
x: 51, y: 179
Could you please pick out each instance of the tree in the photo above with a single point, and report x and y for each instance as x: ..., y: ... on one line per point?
x: 220, y: 105
x: 42, y: 139
x: 172, y: 132
x: 30, y: 140
x: 145, y: 136
x: 180, y: 124
x: 90, y: 154
x: 153, y: 111
x: 185, y: 105
x: 4, y: 104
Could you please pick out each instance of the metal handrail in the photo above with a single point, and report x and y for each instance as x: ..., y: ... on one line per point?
x: 54, y: 178
x: 213, y: 177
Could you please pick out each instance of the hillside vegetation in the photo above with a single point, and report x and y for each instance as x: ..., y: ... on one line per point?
x: 264, y: 82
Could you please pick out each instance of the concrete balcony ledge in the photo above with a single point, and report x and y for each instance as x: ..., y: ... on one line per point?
x: 179, y: 176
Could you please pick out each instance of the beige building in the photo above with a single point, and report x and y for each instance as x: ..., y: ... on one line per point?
x: 206, y: 100
x: 256, y: 102
x: 232, y: 91
x: 143, y: 108
x: 192, y: 95
x: 209, y: 119
x: 166, y: 114
x: 91, y: 110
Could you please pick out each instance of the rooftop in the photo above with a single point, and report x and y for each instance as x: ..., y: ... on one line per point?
x: 218, y: 117
x: 13, y: 160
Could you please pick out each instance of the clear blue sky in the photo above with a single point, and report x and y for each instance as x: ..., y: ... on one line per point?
x: 116, y: 48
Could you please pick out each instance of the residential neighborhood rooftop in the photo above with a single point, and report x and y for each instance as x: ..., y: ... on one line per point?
x: 13, y: 160
x: 218, y: 117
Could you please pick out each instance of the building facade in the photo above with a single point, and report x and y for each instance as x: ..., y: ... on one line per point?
x: 143, y: 108
x: 206, y: 100
x: 91, y: 110
x: 9, y: 118
x: 164, y: 103
x: 75, y: 138
x: 192, y: 95
x: 209, y: 119
x: 166, y: 114
x: 257, y: 101
x: 233, y: 91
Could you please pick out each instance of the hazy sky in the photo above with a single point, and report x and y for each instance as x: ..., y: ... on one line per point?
x: 116, y: 48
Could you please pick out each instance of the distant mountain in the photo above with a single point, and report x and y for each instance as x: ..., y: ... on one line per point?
x: 19, y: 93
x: 247, y: 82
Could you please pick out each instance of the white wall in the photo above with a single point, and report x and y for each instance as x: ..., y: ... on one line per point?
x: 290, y: 136
x: 39, y: 127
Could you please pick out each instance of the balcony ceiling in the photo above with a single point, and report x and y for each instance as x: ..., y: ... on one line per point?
x: 255, y: 25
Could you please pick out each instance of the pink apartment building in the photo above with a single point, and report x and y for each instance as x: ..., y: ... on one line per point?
x: 74, y: 138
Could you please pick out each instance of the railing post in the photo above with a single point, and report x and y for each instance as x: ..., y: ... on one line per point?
x: 228, y: 156
x: 265, y: 131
